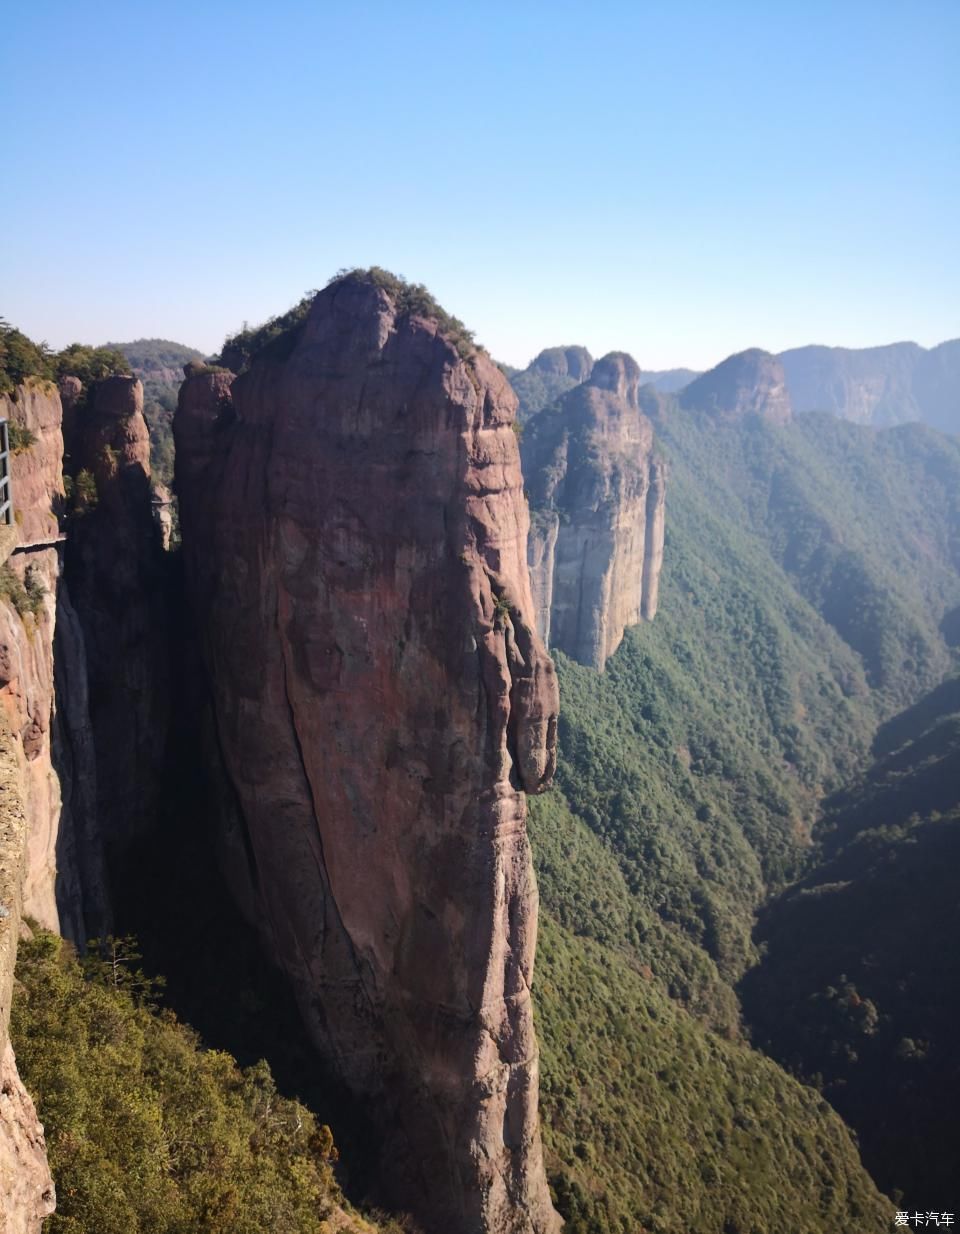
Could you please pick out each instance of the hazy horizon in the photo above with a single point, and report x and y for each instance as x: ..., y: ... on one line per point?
x: 678, y: 184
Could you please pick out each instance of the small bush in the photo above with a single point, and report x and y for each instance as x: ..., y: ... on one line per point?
x: 25, y: 595
x: 84, y: 492
x: 20, y: 438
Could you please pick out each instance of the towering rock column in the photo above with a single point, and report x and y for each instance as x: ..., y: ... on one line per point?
x: 355, y: 531
x: 115, y: 569
x: 597, y: 490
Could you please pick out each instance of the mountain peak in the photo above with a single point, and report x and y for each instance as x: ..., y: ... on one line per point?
x: 749, y: 383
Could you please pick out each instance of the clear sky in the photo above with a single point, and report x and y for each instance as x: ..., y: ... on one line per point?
x: 681, y: 180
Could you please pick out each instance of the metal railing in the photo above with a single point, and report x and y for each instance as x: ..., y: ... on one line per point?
x: 6, y: 500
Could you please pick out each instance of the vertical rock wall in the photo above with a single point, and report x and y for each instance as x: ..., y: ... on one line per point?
x: 115, y: 570
x: 27, y: 1193
x: 64, y: 886
x: 597, y: 491
x: 355, y: 531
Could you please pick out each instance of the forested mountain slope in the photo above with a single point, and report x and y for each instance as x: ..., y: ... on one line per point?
x: 808, y: 570
x: 860, y: 981
x: 809, y: 579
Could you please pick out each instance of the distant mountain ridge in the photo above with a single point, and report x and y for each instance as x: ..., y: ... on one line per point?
x: 558, y: 369
x: 880, y: 386
x: 898, y: 383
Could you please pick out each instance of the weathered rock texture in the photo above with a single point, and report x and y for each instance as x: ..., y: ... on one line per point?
x: 63, y: 879
x: 115, y: 569
x: 597, y: 491
x: 26, y: 1188
x: 751, y: 383
x: 355, y: 532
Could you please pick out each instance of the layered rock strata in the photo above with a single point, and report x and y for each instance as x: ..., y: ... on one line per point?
x: 597, y: 491
x: 355, y: 535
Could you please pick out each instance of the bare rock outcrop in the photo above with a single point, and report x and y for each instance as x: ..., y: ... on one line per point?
x: 597, y: 491
x: 751, y: 383
x: 355, y: 535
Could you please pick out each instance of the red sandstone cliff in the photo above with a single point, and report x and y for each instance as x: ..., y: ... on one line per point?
x: 355, y: 532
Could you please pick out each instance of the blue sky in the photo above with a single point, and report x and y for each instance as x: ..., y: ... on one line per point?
x: 681, y: 180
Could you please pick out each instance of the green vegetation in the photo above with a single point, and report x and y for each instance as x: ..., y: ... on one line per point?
x: 280, y: 333
x: 536, y: 389
x: 809, y: 577
x: 159, y: 363
x: 803, y: 590
x: 859, y: 987
x: 21, y: 359
x: 20, y: 438
x: 148, y: 1132
x: 651, y: 1123
x: 26, y: 594
x: 90, y: 363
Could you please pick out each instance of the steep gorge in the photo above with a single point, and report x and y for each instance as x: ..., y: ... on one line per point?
x: 354, y: 532
x: 75, y: 675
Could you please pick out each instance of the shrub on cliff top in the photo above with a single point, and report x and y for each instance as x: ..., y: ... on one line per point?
x: 90, y: 363
x: 240, y: 348
x: 411, y: 299
x: 21, y: 358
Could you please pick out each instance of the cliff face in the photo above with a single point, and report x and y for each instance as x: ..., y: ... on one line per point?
x: 27, y: 1193
x: 751, y: 383
x: 878, y: 385
x: 63, y: 886
x: 355, y: 536
x: 597, y: 491
x: 114, y: 567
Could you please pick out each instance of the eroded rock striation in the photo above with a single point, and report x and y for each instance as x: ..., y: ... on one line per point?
x: 597, y: 491
x: 355, y: 535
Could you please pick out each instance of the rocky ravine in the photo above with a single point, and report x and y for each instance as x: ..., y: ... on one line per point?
x: 597, y: 491
x: 81, y: 683
x: 355, y: 531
